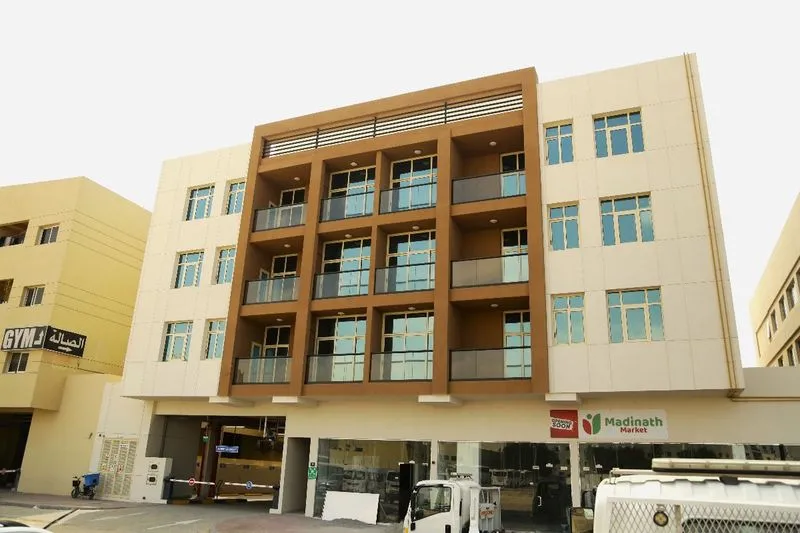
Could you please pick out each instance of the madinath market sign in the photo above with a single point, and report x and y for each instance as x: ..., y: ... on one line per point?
x: 609, y: 426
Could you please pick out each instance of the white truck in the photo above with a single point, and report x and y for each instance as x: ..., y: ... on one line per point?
x: 697, y: 496
x: 458, y: 505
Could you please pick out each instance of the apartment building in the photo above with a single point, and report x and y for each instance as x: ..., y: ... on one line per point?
x: 520, y: 280
x: 70, y: 258
x: 775, y: 306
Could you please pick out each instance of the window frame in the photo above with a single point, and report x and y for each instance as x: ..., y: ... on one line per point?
x: 168, y: 335
x: 235, y: 198
x: 564, y: 219
x: 559, y: 137
x: 647, y: 305
x: 351, y: 361
x: 216, y: 337
x: 191, y: 211
x: 178, y: 281
x: 51, y: 237
x: 616, y: 215
x: 405, y: 335
x: 224, y: 261
x: 526, y: 365
x: 517, y: 175
x: 568, y: 310
x: 37, y: 290
x: 22, y: 360
x: 607, y: 131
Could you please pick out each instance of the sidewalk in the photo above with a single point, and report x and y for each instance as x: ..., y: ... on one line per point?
x: 46, y: 501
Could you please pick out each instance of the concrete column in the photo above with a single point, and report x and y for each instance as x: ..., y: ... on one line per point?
x: 311, y: 487
x: 434, y: 461
x: 468, y: 459
x: 575, y: 472
x: 210, y: 457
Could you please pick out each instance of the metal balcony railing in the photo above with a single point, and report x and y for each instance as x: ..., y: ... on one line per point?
x: 285, y: 216
x: 335, y: 368
x: 490, y: 271
x: 405, y: 278
x: 489, y: 187
x: 350, y: 206
x: 408, y: 198
x: 402, y: 366
x: 271, y: 290
x: 492, y: 364
x: 263, y: 370
x: 340, y: 284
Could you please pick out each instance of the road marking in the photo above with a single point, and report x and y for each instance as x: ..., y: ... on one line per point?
x: 182, y: 523
x: 117, y: 517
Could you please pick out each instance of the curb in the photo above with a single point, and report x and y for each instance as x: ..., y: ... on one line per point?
x: 207, y: 501
x: 59, y: 507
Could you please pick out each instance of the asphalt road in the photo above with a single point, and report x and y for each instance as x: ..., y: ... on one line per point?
x: 185, y: 519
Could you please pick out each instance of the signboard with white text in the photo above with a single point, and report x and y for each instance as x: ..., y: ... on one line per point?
x: 43, y: 338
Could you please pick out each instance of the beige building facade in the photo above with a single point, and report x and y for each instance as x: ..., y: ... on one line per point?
x: 775, y: 306
x: 567, y: 308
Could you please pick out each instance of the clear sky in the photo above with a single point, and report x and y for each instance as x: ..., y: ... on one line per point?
x: 109, y: 89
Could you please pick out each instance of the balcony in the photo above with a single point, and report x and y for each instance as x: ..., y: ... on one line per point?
x: 489, y: 187
x: 402, y: 366
x: 405, y: 278
x: 408, y: 198
x: 263, y: 370
x: 490, y: 271
x: 493, y: 364
x: 341, y: 284
x: 338, y: 368
x: 350, y: 206
x: 13, y: 234
x: 271, y: 290
x: 285, y: 216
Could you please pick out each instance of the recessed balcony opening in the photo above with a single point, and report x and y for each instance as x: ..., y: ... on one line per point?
x: 409, y: 180
x: 489, y: 166
x: 405, y: 345
x: 268, y: 356
x: 344, y: 266
x: 280, y: 198
x: 273, y: 273
x: 13, y: 234
x: 407, y: 257
x: 493, y: 341
x: 490, y: 251
x: 338, y: 347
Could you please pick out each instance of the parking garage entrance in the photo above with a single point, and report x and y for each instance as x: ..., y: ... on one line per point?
x: 14, y: 428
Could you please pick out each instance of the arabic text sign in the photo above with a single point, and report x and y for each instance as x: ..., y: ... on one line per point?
x: 44, y: 338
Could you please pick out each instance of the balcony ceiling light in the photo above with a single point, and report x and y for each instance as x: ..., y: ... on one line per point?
x: 412, y: 308
x: 417, y: 151
x: 279, y: 320
x: 353, y: 164
x: 287, y: 245
x: 296, y: 178
x: 340, y: 313
x: 347, y: 235
x: 492, y: 221
x: 493, y: 306
x: 415, y: 227
x: 492, y: 143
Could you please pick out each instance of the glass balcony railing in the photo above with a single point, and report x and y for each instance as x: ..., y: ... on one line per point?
x: 350, y: 206
x: 405, y: 278
x: 488, y: 187
x: 338, y: 368
x: 263, y: 370
x: 408, y: 198
x: 401, y: 366
x: 271, y: 290
x: 501, y: 363
x: 490, y: 271
x: 340, y: 284
x: 285, y: 216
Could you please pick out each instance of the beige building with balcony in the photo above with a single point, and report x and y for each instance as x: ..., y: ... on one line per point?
x: 524, y: 281
x: 775, y: 306
x: 70, y: 258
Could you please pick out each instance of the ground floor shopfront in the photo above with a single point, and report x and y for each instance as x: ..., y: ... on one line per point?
x: 545, y: 456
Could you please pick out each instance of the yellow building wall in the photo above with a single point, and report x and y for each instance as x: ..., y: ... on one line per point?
x: 60, y: 442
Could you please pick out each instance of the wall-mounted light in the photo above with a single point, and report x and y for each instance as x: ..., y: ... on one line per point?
x: 340, y: 313
x: 493, y: 306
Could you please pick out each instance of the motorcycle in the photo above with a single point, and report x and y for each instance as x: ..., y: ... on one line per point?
x: 86, y: 489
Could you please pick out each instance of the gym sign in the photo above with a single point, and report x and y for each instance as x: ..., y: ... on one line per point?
x: 43, y: 338
x: 608, y: 426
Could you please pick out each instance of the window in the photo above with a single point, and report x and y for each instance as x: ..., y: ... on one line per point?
x: 559, y: 144
x: 431, y: 500
x: 773, y: 324
x: 47, y: 235
x: 782, y: 307
x: 343, y: 338
x: 215, y: 339
x: 5, y: 290
x: 276, y: 341
x: 13, y: 234
x: 17, y: 363
x: 514, y: 247
x: 284, y: 266
x: 411, y: 258
x: 355, y: 190
x: 564, y: 227
x: 791, y: 295
x: 780, y: 360
x: 200, y: 203
x: 635, y: 315
x: 225, y: 262
x: 568, y: 319
x: 408, y: 343
x: 235, y: 201
x: 627, y: 220
x: 790, y: 355
x: 190, y: 264
x: 623, y: 132
x: 517, y: 344
x: 176, y: 341
x: 32, y: 296
x: 345, y: 268
x: 416, y: 180
x: 293, y: 197
x: 512, y: 177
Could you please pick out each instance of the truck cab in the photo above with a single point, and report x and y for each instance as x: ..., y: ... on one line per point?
x: 458, y: 505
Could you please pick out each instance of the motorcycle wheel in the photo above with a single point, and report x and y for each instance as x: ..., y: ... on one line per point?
x: 75, y: 492
x: 91, y: 493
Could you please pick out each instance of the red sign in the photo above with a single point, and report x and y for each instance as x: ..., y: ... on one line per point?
x: 191, y: 481
x: 564, y: 424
